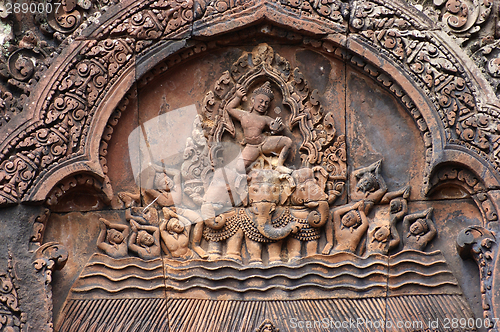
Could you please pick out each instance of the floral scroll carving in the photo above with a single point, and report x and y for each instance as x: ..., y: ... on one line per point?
x: 465, y: 121
x: 20, y: 71
x: 480, y: 244
x: 160, y: 19
x: 39, y: 225
x: 385, y: 26
x: 47, y: 258
x: 464, y: 17
x: 265, y: 211
x: 65, y: 119
x: 11, y: 316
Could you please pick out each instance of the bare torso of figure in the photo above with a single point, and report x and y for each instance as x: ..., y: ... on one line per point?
x: 253, y: 125
x: 177, y: 244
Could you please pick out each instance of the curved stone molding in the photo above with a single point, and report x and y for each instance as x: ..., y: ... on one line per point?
x: 68, y: 95
x: 49, y: 257
x: 39, y: 225
x: 57, y: 133
x: 480, y: 244
x: 63, y: 106
x: 439, y: 70
x: 471, y: 183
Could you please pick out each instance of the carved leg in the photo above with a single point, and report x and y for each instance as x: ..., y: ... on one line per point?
x: 286, y: 142
x: 254, y: 250
x: 329, y: 238
x: 234, y: 246
x: 275, y: 252
x: 249, y: 155
x: 311, y: 248
x: 214, y: 250
x: 197, y: 234
x: 293, y: 247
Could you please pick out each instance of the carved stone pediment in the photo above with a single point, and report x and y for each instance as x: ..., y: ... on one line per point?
x: 253, y: 207
x: 249, y: 165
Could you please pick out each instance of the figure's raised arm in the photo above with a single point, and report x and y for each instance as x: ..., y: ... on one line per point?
x: 131, y: 242
x: 403, y: 192
x: 148, y: 228
x: 399, y: 215
x: 118, y: 227
x: 175, y: 174
x: 160, y: 198
x: 427, y: 237
x: 409, y: 219
x: 339, y: 212
x: 140, y: 219
x: 235, y: 102
x: 344, y: 209
x: 364, y: 219
x: 101, y: 244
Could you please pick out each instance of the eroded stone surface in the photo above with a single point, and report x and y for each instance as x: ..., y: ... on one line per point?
x: 309, y: 158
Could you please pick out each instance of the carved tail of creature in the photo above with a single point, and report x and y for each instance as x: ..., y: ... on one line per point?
x: 263, y: 212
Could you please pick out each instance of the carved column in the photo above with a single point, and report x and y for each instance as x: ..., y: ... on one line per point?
x: 25, y: 275
x: 481, y: 245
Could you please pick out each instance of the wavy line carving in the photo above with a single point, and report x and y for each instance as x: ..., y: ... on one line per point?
x: 255, y: 289
x: 88, y: 289
x: 295, y: 277
x: 100, y: 274
x: 343, y: 272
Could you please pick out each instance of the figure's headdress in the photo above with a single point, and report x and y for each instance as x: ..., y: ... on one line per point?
x: 371, y: 178
x: 357, y: 220
x: 141, y: 235
x: 425, y: 226
x: 265, y: 89
x: 170, y: 225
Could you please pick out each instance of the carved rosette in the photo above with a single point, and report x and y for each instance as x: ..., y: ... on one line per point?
x: 63, y: 123
x: 61, y: 21
x: 480, y: 244
x: 464, y: 17
x: 20, y: 71
x: 385, y: 26
x: 486, y: 54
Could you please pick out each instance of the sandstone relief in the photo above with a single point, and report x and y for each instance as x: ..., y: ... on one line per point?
x: 256, y: 209
x: 249, y: 165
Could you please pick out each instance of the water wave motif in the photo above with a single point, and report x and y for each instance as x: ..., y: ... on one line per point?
x: 416, y: 272
x: 334, y: 276
x: 113, y: 276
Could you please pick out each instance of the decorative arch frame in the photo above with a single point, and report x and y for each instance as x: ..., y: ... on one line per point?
x: 76, y: 82
x: 65, y: 121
